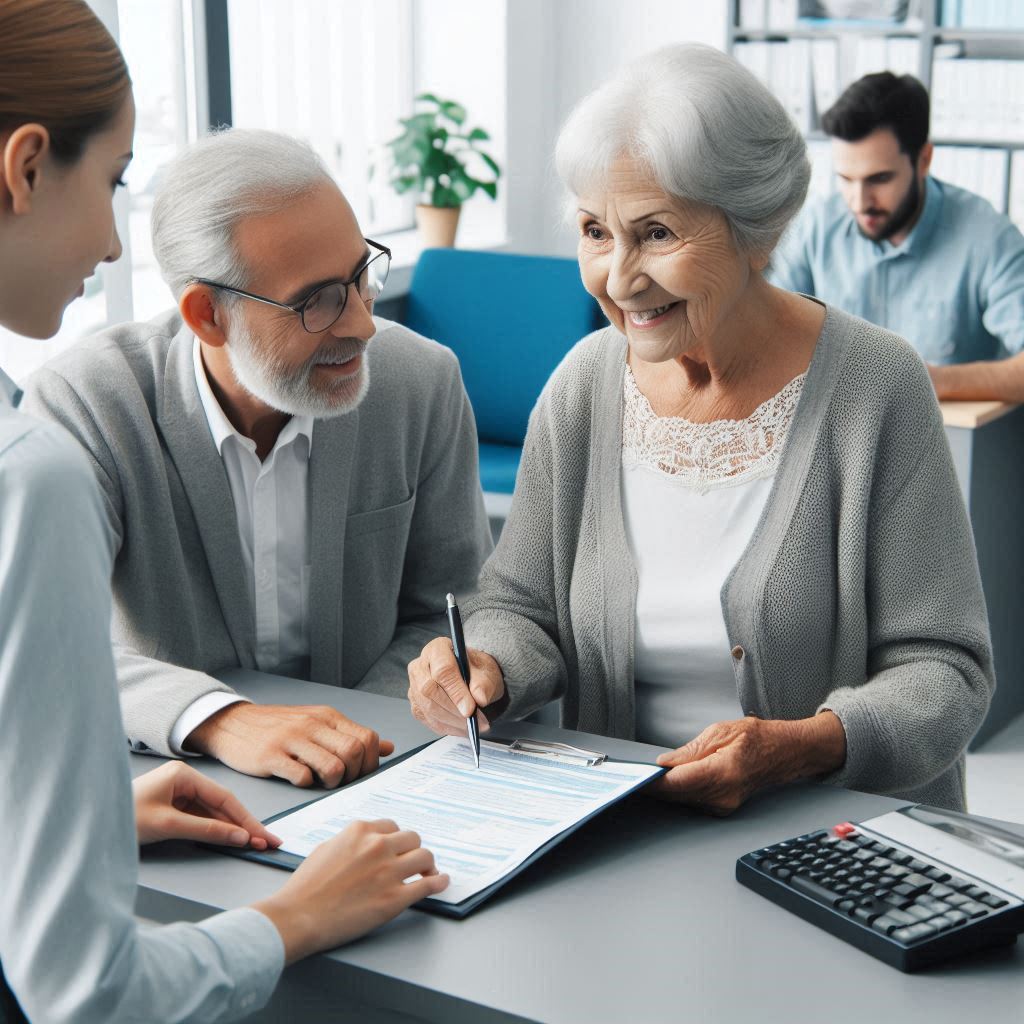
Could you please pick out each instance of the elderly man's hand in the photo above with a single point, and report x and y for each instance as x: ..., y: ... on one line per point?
x: 175, y: 801
x: 302, y: 744
x: 729, y: 761
x: 437, y: 694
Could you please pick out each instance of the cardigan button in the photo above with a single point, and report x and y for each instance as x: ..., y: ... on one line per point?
x: 738, y: 652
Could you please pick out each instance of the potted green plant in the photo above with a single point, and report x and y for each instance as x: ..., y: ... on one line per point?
x: 432, y: 157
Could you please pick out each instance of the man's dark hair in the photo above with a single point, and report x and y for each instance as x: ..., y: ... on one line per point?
x: 883, y: 100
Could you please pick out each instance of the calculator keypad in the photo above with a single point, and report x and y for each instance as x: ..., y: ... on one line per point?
x: 885, y: 888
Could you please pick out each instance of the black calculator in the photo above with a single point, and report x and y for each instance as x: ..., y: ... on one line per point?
x: 911, y: 887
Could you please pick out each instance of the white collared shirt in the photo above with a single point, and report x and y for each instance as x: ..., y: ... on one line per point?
x: 272, y: 508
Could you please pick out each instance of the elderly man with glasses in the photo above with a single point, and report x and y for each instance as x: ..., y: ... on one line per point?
x: 290, y: 482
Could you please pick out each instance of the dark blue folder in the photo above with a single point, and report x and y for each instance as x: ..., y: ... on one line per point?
x: 290, y: 861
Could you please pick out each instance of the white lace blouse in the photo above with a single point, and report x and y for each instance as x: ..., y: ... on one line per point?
x: 692, y: 496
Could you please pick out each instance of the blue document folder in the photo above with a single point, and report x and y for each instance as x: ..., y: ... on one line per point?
x: 532, y: 752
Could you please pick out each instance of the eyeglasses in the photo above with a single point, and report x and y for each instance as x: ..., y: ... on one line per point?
x: 323, y: 307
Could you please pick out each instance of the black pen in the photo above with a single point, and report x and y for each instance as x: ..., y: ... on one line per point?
x: 462, y: 657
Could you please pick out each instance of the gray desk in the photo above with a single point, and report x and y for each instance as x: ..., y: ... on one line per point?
x: 987, y: 442
x: 636, y: 918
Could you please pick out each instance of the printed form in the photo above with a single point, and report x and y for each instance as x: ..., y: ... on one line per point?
x: 480, y: 823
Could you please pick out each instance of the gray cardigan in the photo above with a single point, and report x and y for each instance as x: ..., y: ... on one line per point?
x: 859, y: 591
x: 396, y: 515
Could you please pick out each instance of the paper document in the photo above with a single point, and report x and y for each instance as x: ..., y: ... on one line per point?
x: 480, y: 823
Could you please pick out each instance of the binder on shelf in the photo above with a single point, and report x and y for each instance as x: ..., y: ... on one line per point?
x: 783, y: 13
x: 995, y: 172
x: 754, y: 57
x: 784, y: 67
x: 819, y: 152
x: 1016, y: 209
x: 825, y: 74
x: 987, y: 99
x: 797, y: 98
x: 982, y: 14
x: 981, y: 170
x: 941, y: 99
x: 1014, y: 100
x: 753, y: 14
x: 978, y: 99
x: 871, y: 56
x: 903, y: 56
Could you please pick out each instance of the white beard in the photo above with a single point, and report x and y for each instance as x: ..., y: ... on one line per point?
x: 292, y: 392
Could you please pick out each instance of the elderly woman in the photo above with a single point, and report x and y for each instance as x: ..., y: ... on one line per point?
x: 736, y: 529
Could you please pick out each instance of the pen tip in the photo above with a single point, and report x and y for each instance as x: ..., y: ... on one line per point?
x: 451, y: 600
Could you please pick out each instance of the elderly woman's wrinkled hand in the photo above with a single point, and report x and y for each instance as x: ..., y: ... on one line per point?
x: 438, y: 696
x: 729, y: 761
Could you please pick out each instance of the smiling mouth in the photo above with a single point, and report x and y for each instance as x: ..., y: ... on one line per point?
x: 344, y: 353
x: 338, y: 367
x: 643, y: 317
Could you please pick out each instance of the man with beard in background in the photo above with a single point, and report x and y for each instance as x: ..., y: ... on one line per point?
x: 290, y: 482
x: 925, y: 259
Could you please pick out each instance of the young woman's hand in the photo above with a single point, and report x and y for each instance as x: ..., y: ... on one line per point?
x: 175, y: 801
x: 349, y: 885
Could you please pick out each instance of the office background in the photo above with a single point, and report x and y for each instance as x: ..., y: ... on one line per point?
x: 339, y: 73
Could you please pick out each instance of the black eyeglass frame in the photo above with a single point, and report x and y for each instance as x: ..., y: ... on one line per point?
x: 300, y: 307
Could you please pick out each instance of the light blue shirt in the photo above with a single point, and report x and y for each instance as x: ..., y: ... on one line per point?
x: 10, y: 394
x: 70, y: 947
x: 954, y: 288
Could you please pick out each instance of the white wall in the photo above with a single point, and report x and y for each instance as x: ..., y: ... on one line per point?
x: 534, y: 49
x: 461, y: 55
x: 558, y: 52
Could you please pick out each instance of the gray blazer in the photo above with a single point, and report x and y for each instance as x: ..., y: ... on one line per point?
x: 859, y: 591
x: 395, y: 504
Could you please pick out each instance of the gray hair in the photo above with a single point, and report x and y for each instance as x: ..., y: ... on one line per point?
x: 211, y: 186
x: 706, y: 129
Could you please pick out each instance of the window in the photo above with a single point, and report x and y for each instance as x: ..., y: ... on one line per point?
x: 338, y: 76
x: 153, y: 35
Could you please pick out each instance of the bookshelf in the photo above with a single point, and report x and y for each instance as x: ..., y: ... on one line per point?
x: 968, y: 53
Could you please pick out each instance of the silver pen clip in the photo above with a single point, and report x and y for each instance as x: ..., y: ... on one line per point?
x: 558, y: 751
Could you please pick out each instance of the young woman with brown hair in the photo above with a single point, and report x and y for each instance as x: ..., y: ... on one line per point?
x: 69, y: 945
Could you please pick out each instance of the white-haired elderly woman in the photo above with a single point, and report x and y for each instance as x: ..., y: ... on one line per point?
x: 736, y: 530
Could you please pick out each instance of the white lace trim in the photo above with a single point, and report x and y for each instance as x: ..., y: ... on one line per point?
x: 703, y: 456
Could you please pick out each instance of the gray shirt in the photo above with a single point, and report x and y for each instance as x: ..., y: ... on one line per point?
x: 859, y: 591
x: 70, y: 948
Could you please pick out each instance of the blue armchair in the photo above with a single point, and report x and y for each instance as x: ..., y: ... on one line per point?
x: 510, y: 320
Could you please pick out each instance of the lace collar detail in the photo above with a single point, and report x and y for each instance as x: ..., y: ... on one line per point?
x: 704, y: 456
